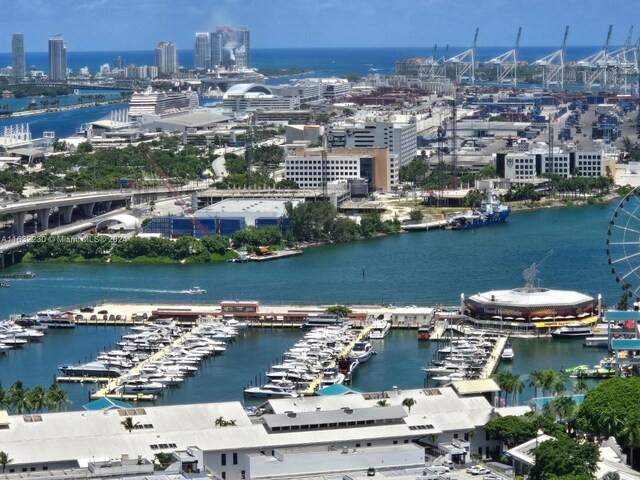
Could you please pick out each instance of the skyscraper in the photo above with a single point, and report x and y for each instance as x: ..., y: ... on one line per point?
x: 167, y: 58
x: 215, y: 40
x: 244, y: 40
x: 202, y: 52
x: 17, y: 55
x: 57, y: 59
x: 236, y: 46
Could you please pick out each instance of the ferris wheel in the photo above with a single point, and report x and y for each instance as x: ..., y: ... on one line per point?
x: 623, y: 243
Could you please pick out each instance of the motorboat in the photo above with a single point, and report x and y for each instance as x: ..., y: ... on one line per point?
x: 92, y: 369
x: 331, y: 376
x: 272, y: 390
x: 452, y: 377
x: 141, y: 386
x: 56, y: 319
x: 424, y: 332
x: 573, y: 330
x: 196, y: 291
x: 379, y: 329
x: 507, y: 353
x: 361, y: 351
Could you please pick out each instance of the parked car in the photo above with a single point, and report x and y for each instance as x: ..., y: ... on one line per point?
x: 86, y: 309
x: 481, y: 471
x: 371, y: 472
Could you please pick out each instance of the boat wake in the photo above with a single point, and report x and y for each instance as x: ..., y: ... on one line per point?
x: 139, y: 290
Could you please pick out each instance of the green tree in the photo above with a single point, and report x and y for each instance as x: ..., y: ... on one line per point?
x: 563, y: 456
x: 609, y: 405
x: 4, y: 460
x: 416, y: 215
x: 344, y: 230
x: 216, y: 244
x: 18, y: 398
x: 310, y: 221
x: 56, y: 398
x: 35, y: 398
x: 580, y: 386
x: 511, y: 430
x: 408, y: 403
x: 128, y: 424
x: 287, y: 184
x: 631, y: 434
x: 382, y: 403
x: 164, y: 459
x: 340, y: 310
x: 84, y: 147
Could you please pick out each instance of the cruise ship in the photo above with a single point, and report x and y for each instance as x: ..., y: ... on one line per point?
x: 150, y: 102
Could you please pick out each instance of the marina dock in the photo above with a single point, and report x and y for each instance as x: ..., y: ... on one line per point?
x: 494, y: 358
x: 313, y: 386
x: 108, y: 390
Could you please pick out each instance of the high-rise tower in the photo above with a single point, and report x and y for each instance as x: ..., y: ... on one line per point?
x: 17, y: 55
x: 236, y: 46
x: 167, y: 58
x: 215, y: 40
x: 57, y: 59
x: 202, y: 52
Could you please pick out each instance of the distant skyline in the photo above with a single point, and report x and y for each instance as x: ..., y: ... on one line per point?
x: 122, y: 25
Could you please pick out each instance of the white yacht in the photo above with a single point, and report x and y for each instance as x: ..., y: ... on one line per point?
x: 507, y: 353
x: 379, y: 329
x: 272, y: 390
x: 196, y: 291
x: 56, y: 319
x: 361, y: 351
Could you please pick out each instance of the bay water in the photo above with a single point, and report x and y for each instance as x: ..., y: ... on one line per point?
x: 428, y: 268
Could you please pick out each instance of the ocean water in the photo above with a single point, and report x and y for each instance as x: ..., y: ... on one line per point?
x: 324, y: 61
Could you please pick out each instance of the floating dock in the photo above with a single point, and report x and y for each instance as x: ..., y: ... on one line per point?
x: 311, y: 389
x: 108, y: 390
x: 494, y: 358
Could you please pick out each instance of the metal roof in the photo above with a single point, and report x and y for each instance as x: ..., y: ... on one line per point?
x: 625, y: 344
x: 468, y: 387
x: 290, y: 419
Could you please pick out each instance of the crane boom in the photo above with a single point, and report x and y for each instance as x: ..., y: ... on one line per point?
x: 174, y: 193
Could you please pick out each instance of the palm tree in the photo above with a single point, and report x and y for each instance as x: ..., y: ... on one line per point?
x: 408, y: 402
x: 580, y: 386
x: 609, y: 423
x: 631, y: 434
x: 56, y: 398
x: 4, y: 399
x: 5, y: 460
x: 535, y: 380
x: 517, y: 389
x: 35, y: 398
x: 382, y: 403
x: 128, y: 424
x: 18, y: 398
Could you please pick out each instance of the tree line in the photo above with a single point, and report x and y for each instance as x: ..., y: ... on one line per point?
x: 101, y: 247
x: 19, y: 399
x: 319, y: 222
x: 607, y: 410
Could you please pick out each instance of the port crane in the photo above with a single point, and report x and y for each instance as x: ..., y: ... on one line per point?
x: 465, y: 63
x: 507, y: 64
x: 553, y: 65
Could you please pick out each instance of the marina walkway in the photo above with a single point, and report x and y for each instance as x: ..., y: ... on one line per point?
x: 494, y: 358
x: 108, y: 390
x: 310, y: 390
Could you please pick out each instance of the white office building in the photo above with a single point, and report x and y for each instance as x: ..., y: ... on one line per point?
x: 250, y: 97
x: 399, y: 138
x: 537, y: 161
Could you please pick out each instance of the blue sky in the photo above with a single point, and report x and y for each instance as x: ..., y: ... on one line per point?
x: 139, y: 24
